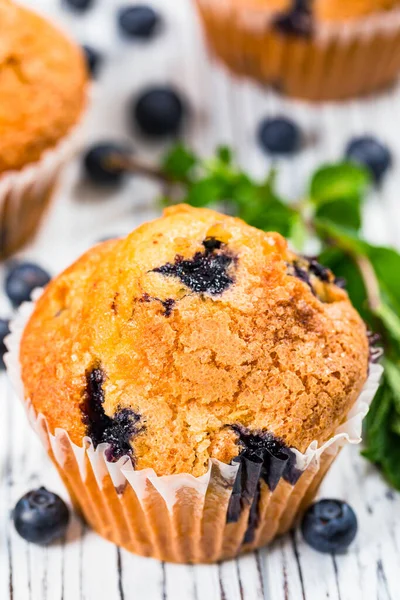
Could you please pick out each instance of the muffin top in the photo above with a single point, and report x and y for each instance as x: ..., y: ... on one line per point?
x: 192, y: 338
x: 329, y: 10
x: 42, y: 85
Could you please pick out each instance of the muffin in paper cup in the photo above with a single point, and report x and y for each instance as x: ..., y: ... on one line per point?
x: 311, y: 50
x: 152, y: 464
x: 43, y: 94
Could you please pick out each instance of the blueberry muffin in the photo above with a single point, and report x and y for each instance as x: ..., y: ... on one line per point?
x: 312, y: 49
x: 42, y: 98
x: 202, y: 357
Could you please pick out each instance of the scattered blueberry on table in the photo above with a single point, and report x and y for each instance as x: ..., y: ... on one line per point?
x: 93, y: 59
x: 329, y: 526
x: 79, y: 5
x: 138, y: 21
x: 279, y: 135
x: 21, y: 279
x: 159, y: 112
x: 372, y: 153
x: 41, y: 517
x: 4, y: 331
x: 100, y: 163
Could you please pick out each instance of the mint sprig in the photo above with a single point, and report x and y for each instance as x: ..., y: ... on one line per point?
x: 332, y: 213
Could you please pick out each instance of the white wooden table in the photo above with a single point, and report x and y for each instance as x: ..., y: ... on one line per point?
x: 84, y: 566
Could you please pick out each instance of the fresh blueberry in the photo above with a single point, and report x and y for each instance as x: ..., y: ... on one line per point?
x: 41, y: 517
x: 22, y: 279
x: 138, y: 21
x: 79, y: 5
x: 93, y: 59
x: 329, y: 526
x: 279, y: 135
x: 101, y: 163
x: 4, y: 331
x: 159, y: 112
x: 371, y: 153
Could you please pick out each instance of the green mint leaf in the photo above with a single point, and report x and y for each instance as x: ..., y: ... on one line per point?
x: 390, y: 319
x: 225, y: 154
x: 298, y: 233
x: 341, y: 236
x: 395, y: 426
x: 392, y: 375
x: 341, y: 212
x: 204, y: 192
x: 342, y: 181
x: 386, y: 264
x: 344, y: 267
x: 376, y: 424
x: 382, y: 442
x: 178, y: 163
x: 275, y: 217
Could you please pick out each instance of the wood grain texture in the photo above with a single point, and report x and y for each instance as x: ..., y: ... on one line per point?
x: 83, y: 566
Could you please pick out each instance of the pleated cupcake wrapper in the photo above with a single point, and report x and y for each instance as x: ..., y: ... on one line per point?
x: 182, y: 518
x: 26, y: 193
x: 338, y: 60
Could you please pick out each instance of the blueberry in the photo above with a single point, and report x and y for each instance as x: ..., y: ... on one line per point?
x: 99, y: 166
x: 138, y: 21
x: 93, y: 60
x: 4, y: 331
x: 279, y: 135
x: 41, y: 517
x: 22, y: 279
x: 371, y: 153
x: 159, y: 112
x: 80, y: 5
x: 329, y: 526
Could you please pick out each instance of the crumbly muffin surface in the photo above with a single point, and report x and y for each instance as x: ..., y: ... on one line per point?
x: 42, y: 85
x: 168, y: 343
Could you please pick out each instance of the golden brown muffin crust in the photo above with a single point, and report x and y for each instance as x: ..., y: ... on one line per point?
x: 42, y: 86
x: 329, y: 10
x: 260, y: 351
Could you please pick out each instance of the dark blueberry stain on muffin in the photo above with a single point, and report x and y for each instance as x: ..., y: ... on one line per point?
x: 297, y: 20
x: 114, y: 307
x: 308, y: 267
x: 117, y: 431
x: 168, y: 304
x: 262, y: 457
x: 323, y: 273
x: 296, y: 271
x: 207, y: 272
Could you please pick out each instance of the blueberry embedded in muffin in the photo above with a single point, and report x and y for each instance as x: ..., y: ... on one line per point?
x: 297, y: 20
x: 207, y: 272
x: 118, y: 430
x: 167, y: 304
x: 317, y: 277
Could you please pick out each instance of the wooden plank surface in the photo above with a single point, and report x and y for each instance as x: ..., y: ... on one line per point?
x: 84, y: 566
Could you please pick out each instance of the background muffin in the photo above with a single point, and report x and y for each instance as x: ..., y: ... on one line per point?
x: 195, y: 338
x: 317, y: 50
x: 42, y: 98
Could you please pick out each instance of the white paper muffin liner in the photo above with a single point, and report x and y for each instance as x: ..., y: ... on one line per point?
x: 341, y: 59
x: 182, y: 518
x: 26, y: 193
